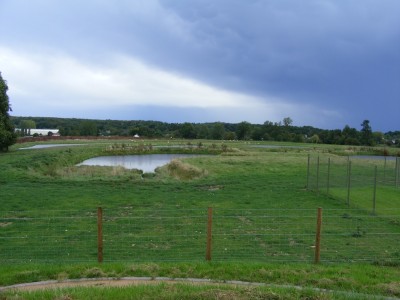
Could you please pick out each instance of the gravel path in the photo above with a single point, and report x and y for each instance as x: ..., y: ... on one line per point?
x: 127, y: 281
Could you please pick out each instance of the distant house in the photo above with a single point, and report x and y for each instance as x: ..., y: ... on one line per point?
x: 42, y: 132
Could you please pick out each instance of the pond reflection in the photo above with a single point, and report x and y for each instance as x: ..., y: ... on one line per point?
x: 147, y: 163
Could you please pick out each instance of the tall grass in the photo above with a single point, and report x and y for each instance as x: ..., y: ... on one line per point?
x: 184, y: 171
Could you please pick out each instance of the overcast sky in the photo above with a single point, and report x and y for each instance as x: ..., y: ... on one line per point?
x: 324, y: 63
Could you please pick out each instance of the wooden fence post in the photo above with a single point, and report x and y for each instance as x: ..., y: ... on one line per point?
x: 99, y: 234
x: 348, y: 182
x: 318, y: 175
x: 396, y: 177
x: 308, y: 172
x: 329, y: 176
x: 374, y: 198
x: 384, y: 172
x: 209, y: 234
x: 318, y: 236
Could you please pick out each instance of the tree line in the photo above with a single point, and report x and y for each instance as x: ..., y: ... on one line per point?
x: 7, y: 134
x: 269, y: 131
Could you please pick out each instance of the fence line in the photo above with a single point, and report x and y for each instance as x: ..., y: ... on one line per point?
x: 371, y: 184
x: 276, y: 235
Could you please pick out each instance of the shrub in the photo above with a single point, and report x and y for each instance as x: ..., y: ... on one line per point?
x: 385, y: 152
x: 184, y: 171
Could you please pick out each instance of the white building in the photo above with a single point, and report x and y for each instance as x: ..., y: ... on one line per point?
x: 42, y: 132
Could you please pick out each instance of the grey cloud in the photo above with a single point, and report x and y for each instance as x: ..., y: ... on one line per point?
x: 340, y: 54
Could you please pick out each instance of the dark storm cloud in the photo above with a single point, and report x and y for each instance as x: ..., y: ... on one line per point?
x: 341, y: 56
x: 337, y: 54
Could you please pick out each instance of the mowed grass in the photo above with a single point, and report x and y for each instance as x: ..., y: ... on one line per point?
x: 262, y: 213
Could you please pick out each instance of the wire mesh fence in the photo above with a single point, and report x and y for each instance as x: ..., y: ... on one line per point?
x: 47, y: 236
x: 163, y: 235
x: 129, y: 235
x: 354, y: 235
x: 367, y: 182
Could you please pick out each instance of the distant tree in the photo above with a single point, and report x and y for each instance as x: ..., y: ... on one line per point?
x: 88, y: 128
x: 243, y: 131
x: 218, y: 131
x: 7, y: 134
x: 378, y: 137
x: 299, y: 138
x: 266, y: 137
x: 203, y: 131
x: 257, y: 134
x: 134, y: 130
x: 142, y: 130
x: 268, y: 123
x: 26, y: 126
x: 366, y: 134
x: 333, y: 136
x: 287, y: 121
x: 229, y: 136
x: 350, y: 136
x: 188, y: 131
x: 65, y: 131
x: 268, y: 128
x: 314, y: 139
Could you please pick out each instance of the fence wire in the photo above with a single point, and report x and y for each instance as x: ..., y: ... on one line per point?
x: 280, y: 235
x: 155, y: 236
x: 47, y: 236
x: 264, y: 235
x: 372, y: 183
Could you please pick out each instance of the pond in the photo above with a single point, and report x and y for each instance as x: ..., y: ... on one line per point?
x: 277, y: 146
x: 147, y: 163
x: 374, y: 157
x: 44, y: 146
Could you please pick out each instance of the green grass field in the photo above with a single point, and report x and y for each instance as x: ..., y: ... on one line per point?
x: 263, y: 213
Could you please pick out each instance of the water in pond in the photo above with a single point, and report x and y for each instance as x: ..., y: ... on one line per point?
x: 374, y: 157
x: 146, y: 163
x: 43, y: 146
x: 276, y: 146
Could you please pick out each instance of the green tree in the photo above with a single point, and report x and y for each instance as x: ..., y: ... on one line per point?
x: 243, y: 131
x: 218, y: 131
x: 366, y: 134
x: 142, y: 131
x: 229, y: 136
x: 7, y: 134
x: 202, y: 131
x: 26, y: 126
x: 378, y: 137
x: 314, y: 139
x: 257, y: 134
x: 287, y: 121
x: 188, y: 131
x: 88, y: 128
x: 350, y: 136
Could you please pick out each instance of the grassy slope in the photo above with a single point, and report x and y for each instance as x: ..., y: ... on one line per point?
x: 246, y: 178
x: 249, y: 179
